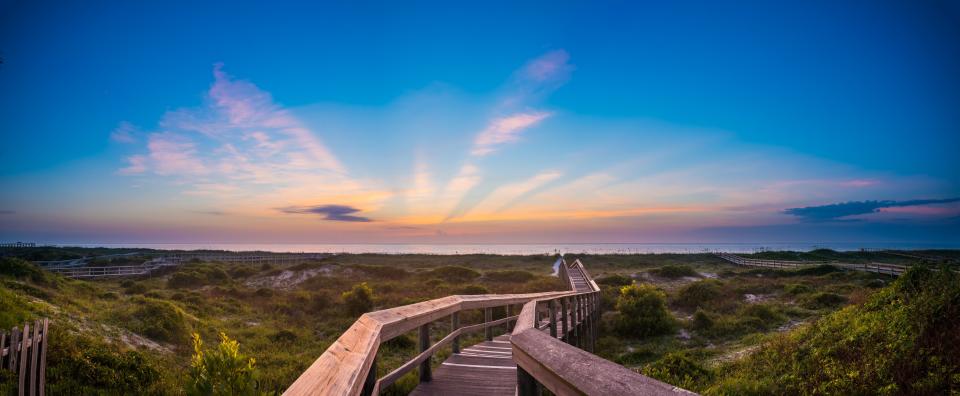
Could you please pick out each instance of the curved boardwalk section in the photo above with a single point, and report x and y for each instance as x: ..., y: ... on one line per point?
x: 548, y: 348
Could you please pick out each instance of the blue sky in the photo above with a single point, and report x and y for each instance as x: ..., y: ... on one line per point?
x: 501, y: 122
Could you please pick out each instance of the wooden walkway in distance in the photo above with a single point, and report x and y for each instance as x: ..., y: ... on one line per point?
x: 484, y: 369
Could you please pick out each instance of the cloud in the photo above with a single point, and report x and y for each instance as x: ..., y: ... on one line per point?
x: 837, y: 212
x: 550, y: 67
x: 124, y: 133
x: 329, y: 212
x: 173, y: 154
x: 505, y: 130
x: 136, y: 164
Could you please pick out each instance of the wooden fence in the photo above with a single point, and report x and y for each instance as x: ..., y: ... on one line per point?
x: 25, y: 352
x: 83, y: 272
x: 879, y: 268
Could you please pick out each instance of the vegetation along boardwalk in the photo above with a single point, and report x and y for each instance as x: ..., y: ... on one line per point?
x: 547, y: 347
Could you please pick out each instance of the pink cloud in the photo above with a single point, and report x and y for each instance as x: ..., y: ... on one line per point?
x: 136, y: 164
x: 505, y: 130
x: 550, y: 66
x: 172, y: 154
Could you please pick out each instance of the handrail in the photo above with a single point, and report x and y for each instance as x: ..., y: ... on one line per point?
x: 560, y: 365
x: 347, y: 366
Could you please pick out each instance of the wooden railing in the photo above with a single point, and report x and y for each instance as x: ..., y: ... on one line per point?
x: 70, y: 270
x: 879, y: 268
x: 560, y: 360
x: 25, y: 353
x: 550, y: 331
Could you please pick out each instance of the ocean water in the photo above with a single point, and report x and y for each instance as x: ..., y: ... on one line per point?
x: 525, y: 249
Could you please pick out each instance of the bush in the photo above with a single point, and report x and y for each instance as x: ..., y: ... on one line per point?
x: 359, y: 299
x: 157, y: 319
x: 701, y: 320
x: 702, y: 294
x: 22, y: 269
x: 818, y: 270
x: 197, y: 275
x: 678, y: 369
x: 905, y: 339
x: 615, y: 280
x: 675, y: 271
x: 283, y: 336
x: 222, y: 371
x: 509, y: 276
x: 136, y: 288
x: 83, y: 365
x: 643, y: 311
x: 382, y: 271
x: 453, y: 274
x: 797, y: 288
x: 767, y: 317
x: 822, y: 300
x: 474, y: 289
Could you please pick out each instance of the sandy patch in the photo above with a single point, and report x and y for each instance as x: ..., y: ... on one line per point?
x: 287, y: 279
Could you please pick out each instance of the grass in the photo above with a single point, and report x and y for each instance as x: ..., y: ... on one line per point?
x: 125, y: 336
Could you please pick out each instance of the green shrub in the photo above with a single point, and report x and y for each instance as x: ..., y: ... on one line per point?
x: 136, y: 288
x: 544, y: 284
x: 616, y: 280
x: 359, y: 299
x: 222, y: 371
x: 157, y: 319
x: 905, y: 339
x: 13, y: 309
x: 767, y: 316
x: 381, y: 271
x: 821, y: 300
x: 707, y: 293
x: 675, y: 271
x: 197, y: 275
x: 283, y: 336
x: 637, y: 357
x: 509, y: 276
x: 83, y: 365
x: 797, y: 288
x: 678, y: 369
x: 818, y: 270
x: 453, y: 274
x: 474, y: 289
x: 701, y: 320
x: 643, y: 311
x: 875, y: 283
x: 22, y: 269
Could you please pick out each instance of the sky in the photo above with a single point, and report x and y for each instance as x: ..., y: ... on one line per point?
x: 493, y: 122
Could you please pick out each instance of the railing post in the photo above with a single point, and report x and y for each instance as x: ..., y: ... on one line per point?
x: 425, y: 375
x: 488, y: 317
x: 526, y: 384
x: 509, y: 314
x: 553, y: 318
x: 564, y: 320
x: 596, y: 321
x: 454, y: 325
x: 575, y: 321
x: 371, y: 381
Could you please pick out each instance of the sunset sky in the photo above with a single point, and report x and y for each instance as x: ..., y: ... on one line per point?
x: 437, y: 123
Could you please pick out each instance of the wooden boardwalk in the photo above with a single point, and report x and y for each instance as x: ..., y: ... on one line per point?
x: 486, y: 368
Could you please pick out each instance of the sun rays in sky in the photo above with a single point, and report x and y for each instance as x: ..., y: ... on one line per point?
x: 539, y: 143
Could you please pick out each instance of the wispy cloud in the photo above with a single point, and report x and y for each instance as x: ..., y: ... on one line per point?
x: 505, y: 130
x: 124, y: 133
x: 136, y: 164
x: 329, y: 212
x: 839, y: 211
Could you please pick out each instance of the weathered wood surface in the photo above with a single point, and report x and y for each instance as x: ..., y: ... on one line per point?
x: 342, y: 368
x: 483, y: 369
x: 24, y: 353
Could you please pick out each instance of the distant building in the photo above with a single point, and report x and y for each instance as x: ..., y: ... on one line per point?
x: 18, y: 245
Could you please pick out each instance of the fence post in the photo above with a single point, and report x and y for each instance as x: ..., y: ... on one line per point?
x: 575, y: 321
x: 371, y: 381
x: 488, y: 317
x: 564, y: 320
x: 425, y: 375
x: 22, y: 369
x: 12, y: 356
x: 553, y: 318
x: 43, y: 356
x: 454, y: 325
x: 526, y: 384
